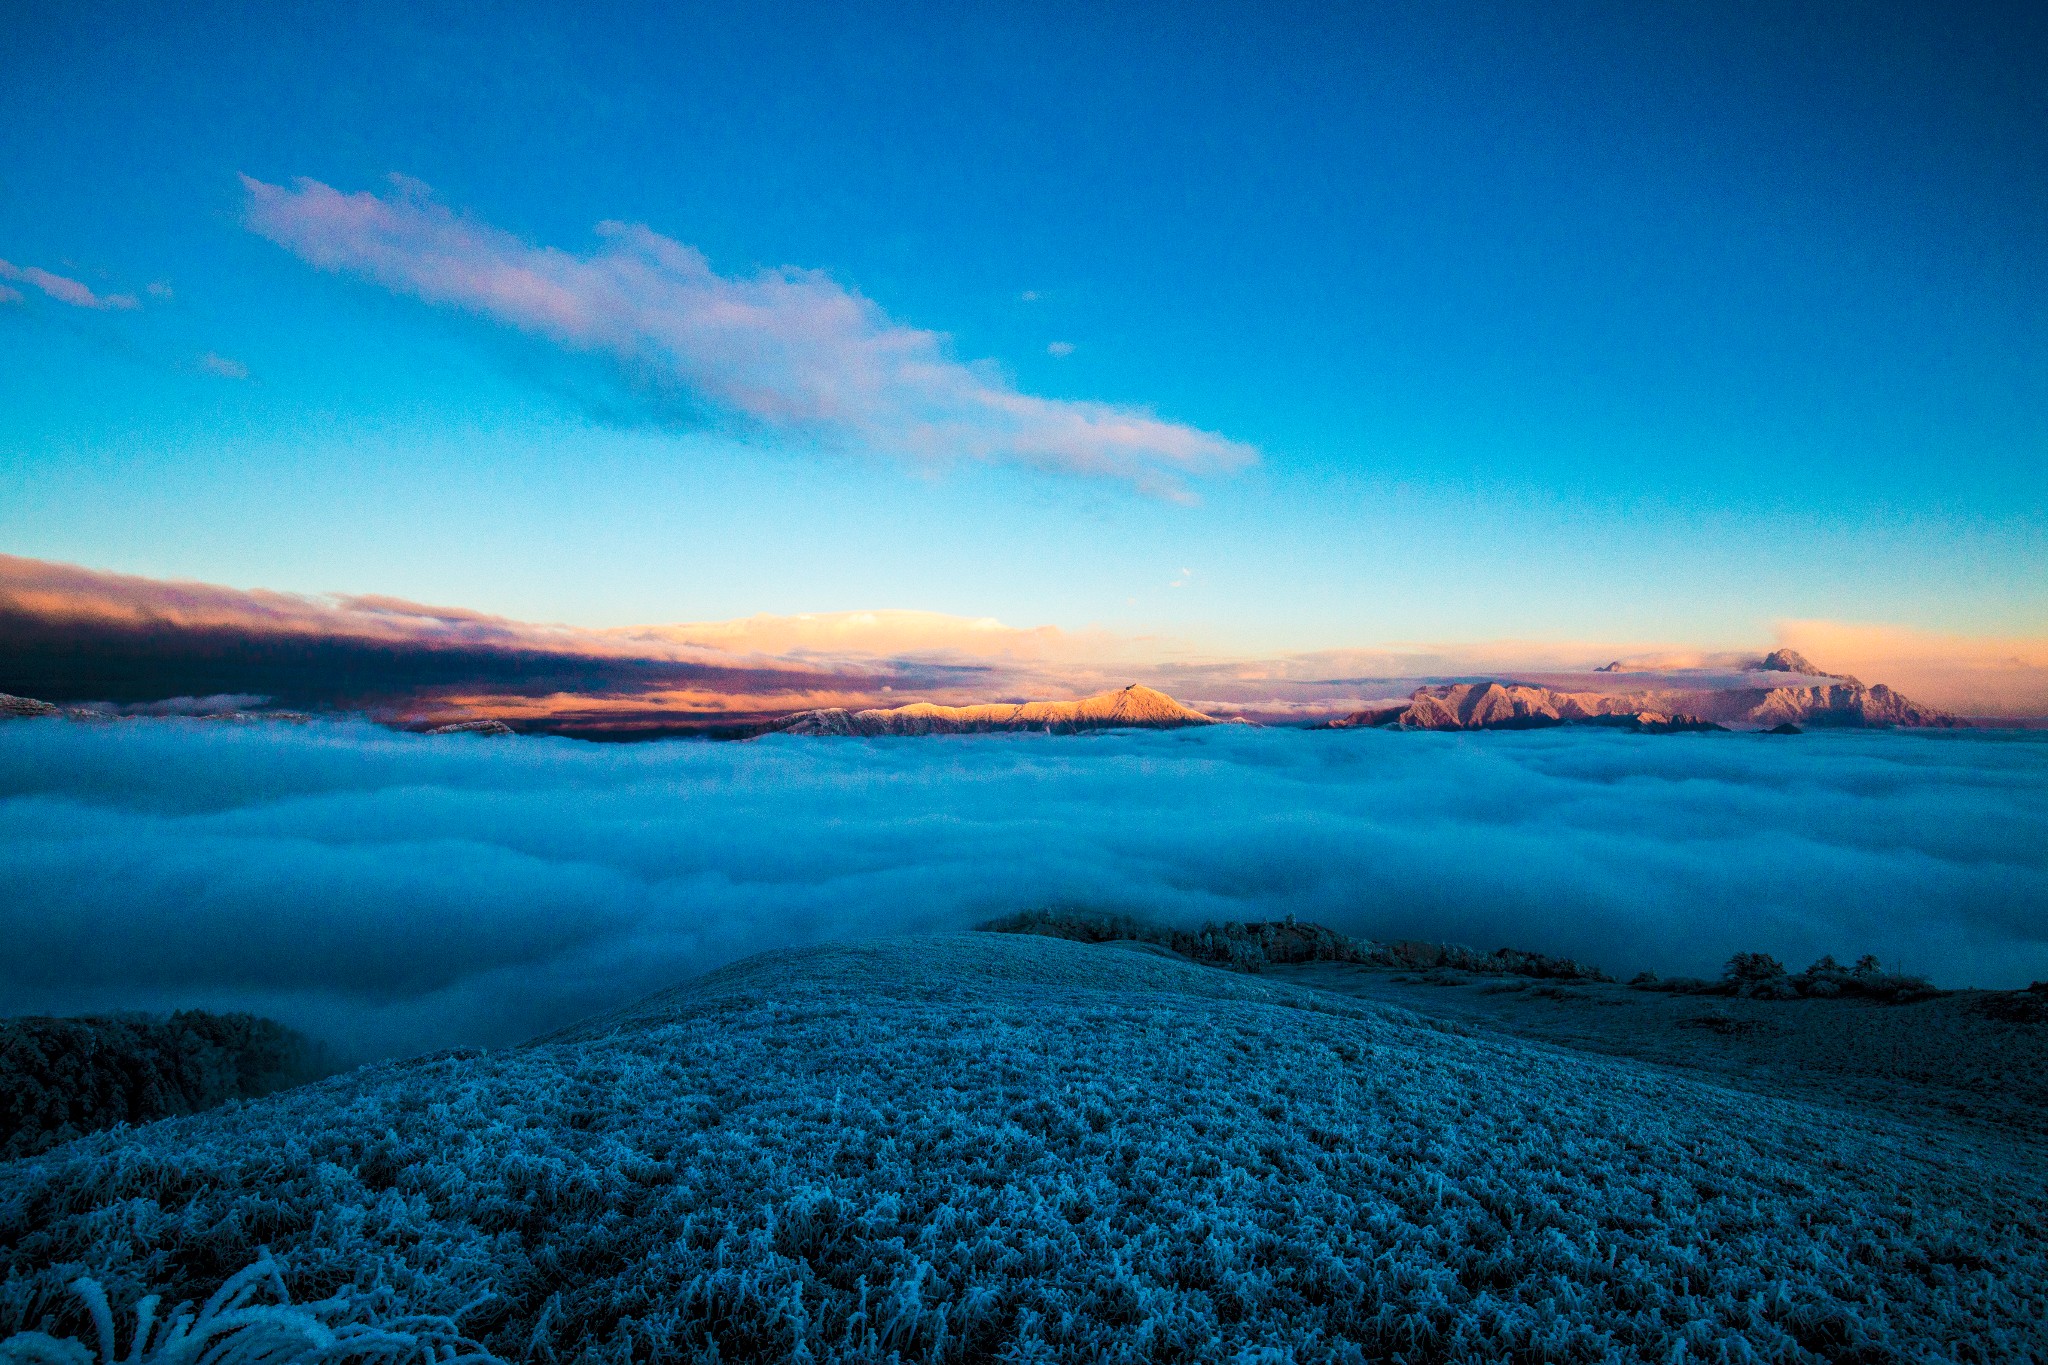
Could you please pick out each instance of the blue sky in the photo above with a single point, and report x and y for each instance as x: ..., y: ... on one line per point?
x: 1563, y: 324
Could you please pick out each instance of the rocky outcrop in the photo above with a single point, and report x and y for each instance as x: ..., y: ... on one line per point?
x: 1494, y: 706
x: 102, y: 714
x: 1844, y: 703
x: 474, y: 727
x: 1134, y: 707
x: 1653, y: 723
x: 1511, y: 706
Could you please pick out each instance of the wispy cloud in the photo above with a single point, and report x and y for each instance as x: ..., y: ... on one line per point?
x: 788, y: 349
x: 221, y: 365
x: 63, y: 289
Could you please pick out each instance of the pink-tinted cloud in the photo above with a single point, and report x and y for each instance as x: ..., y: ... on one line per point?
x: 1981, y: 675
x: 447, y: 662
x: 71, y: 634
x: 788, y: 349
x: 221, y: 365
x: 64, y: 290
x: 68, y: 595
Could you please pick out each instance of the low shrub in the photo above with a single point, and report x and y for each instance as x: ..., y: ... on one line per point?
x: 1759, y: 976
x: 63, y: 1078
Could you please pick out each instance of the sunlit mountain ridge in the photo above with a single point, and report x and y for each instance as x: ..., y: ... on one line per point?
x: 1133, y: 707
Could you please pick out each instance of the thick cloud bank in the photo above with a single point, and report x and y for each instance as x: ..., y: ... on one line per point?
x: 397, y: 892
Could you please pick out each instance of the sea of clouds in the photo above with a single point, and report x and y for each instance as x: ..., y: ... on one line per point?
x: 392, y: 892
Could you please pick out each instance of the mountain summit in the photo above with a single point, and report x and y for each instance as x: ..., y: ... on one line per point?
x: 1844, y: 703
x: 1788, y: 661
x: 1128, y: 708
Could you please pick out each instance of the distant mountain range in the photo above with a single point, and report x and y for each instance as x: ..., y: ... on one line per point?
x: 1808, y: 697
x: 1128, y: 708
x: 1836, y: 702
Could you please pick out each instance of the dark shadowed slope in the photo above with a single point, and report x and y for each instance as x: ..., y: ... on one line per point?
x: 1000, y: 1147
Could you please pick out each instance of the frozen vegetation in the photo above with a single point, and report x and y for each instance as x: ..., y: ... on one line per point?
x: 1253, y: 946
x: 1759, y: 976
x: 1973, y: 1061
x: 1017, y: 1147
x: 1256, y: 945
x: 60, y: 1078
x: 2029, y: 1006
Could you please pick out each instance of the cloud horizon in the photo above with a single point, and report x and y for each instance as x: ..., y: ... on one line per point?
x: 394, y: 892
x: 786, y: 349
x: 73, y: 634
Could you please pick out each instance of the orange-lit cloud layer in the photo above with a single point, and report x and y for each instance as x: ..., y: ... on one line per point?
x: 72, y: 634
x: 1979, y: 675
x: 75, y: 634
x: 786, y: 349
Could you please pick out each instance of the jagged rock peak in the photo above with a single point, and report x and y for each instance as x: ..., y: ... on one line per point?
x: 830, y: 720
x: 1788, y: 661
x: 1513, y: 706
x: 11, y: 705
x: 474, y: 727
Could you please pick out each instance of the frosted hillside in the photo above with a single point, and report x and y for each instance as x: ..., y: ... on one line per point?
x: 1973, y: 1059
x: 1015, y: 1148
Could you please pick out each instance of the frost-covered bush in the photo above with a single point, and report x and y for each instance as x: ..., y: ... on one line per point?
x: 63, y: 1077
x: 1748, y: 971
x: 1867, y: 978
x: 1759, y: 976
x: 987, y: 1147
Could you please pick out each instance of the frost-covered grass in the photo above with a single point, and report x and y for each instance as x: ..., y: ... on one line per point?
x: 236, y: 1326
x: 991, y: 1147
x: 1964, y: 1060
